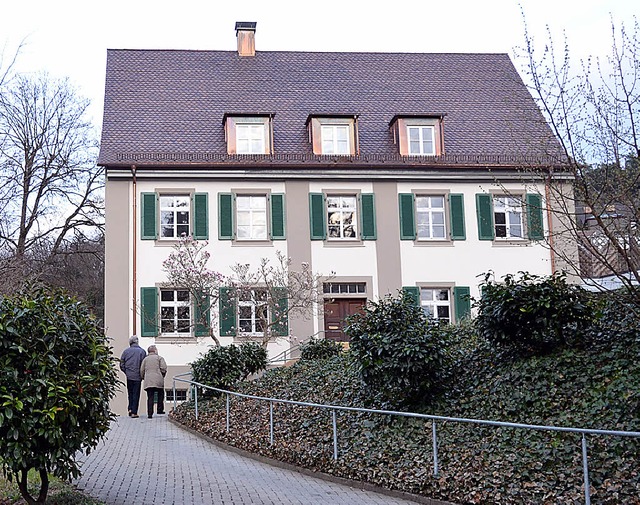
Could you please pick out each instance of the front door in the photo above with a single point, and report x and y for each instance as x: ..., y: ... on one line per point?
x: 335, y: 312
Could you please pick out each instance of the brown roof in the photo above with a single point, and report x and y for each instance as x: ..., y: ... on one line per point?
x: 169, y: 105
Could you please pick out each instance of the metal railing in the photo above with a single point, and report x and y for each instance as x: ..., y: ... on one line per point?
x: 433, y: 418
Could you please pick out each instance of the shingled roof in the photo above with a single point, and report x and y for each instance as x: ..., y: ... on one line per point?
x: 169, y: 104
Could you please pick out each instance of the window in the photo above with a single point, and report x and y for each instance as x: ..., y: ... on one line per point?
x: 172, y: 216
x: 252, y: 311
x: 342, y: 217
x: 175, y: 311
x: 343, y: 288
x: 251, y: 214
x: 436, y: 303
x: 509, y: 217
x: 246, y: 217
x: 246, y: 134
x: 421, y: 140
x: 334, y: 136
x: 181, y: 395
x: 431, y: 217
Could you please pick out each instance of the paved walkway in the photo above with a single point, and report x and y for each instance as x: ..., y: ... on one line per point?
x: 152, y: 461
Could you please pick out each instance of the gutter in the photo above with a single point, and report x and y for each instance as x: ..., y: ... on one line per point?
x: 134, y: 258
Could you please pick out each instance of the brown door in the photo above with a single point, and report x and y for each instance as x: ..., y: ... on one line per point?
x: 335, y: 312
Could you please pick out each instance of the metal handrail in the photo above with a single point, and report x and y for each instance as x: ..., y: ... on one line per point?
x: 334, y: 408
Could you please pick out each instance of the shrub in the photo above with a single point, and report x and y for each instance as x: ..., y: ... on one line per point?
x: 222, y: 367
x: 57, y: 377
x: 533, y: 315
x: 398, y: 350
x: 320, y: 348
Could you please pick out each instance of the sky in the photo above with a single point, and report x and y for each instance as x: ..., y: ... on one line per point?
x: 70, y: 38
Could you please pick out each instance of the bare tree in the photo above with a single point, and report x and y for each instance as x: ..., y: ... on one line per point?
x: 51, y: 191
x: 594, y: 110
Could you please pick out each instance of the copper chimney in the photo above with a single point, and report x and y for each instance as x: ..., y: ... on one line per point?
x: 246, y: 34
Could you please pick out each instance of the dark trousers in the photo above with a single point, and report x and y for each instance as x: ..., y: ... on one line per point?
x: 151, y: 396
x: 133, y: 390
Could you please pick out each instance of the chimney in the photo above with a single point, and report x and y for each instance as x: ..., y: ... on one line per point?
x: 246, y: 34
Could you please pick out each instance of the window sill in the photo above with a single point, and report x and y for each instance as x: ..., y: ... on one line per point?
x: 433, y: 243
x: 337, y: 242
x: 252, y: 243
x: 511, y: 242
x: 177, y: 338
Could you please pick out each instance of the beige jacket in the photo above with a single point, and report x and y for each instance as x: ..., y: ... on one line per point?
x: 153, y: 370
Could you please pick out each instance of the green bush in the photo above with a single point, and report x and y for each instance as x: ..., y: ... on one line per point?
x: 320, y: 348
x: 533, y: 315
x: 222, y: 367
x: 399, y: 351
x: 57, y: 377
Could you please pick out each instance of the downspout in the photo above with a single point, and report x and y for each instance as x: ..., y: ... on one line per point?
x: 134, y: 252
x: 547, y: 191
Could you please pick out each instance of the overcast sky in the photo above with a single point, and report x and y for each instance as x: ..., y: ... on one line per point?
x: 69, y: 38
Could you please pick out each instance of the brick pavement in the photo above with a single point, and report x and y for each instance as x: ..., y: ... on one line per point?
x: 153, y: 461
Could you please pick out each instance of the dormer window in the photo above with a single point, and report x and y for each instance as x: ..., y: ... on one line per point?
x: 418, y: 135
x: 333, y: 135
x: 247, y: 134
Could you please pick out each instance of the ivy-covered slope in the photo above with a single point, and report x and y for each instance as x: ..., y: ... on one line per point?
x: 594, y: 388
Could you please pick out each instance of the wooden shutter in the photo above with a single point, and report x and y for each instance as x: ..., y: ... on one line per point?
x: 277, y: 217
x: 407, y: 216
x: 227, y: 312
x: 462, y: 300
x: 148, y: 217
x: 484, y: 211
x: 225, y: 216
x: 535, y: 228
x: 316, y: 216
x: 149, y: 312
x: 456, y: 216
x: 201, y: 315
x: 413, y: 292
x: 367, y: 216
x: 281, y: 305
x: 200, y: 203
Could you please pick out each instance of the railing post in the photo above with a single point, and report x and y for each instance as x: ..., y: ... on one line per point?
x: 271, y: 422
x: 227, y: 412
x: 585, y: 469
x: 435, y: 448
x: 335, y: 434
x: 196, y: 400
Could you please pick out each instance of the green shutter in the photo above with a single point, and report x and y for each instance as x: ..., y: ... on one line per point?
x: 367, y: 216
x: 462, y: 300
x: 484, y: 210
x: 281, y: 306
x: 227, y: 310
x: 277, y: 217
x: 413, y: 292
x: 407, y: 216
x: 316, y: 216
x: 201, y: 315
x: 149, y: 312
x: 456, y: 216
x: 148, y: 219
x: 225, y: 216
x: 200, y: 216
x: 535, y: 228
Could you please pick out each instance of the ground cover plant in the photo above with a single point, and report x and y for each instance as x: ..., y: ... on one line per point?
x: 60, y: 492
x: 594, y: 385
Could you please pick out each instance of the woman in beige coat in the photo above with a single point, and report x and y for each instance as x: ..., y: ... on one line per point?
x: 153, y: 369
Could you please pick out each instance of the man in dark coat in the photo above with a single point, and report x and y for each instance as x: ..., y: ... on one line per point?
x: 130, y: 362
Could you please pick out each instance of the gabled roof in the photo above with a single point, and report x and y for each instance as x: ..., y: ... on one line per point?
x: 169, y: 104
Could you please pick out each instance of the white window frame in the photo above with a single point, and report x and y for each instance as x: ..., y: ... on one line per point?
x: 347, y: 217
x: 181, y: 325
x: 253, y: 216
x: 427, y: 230
x: 512, y: 212
x: 426, y: 134
x: 172, y: 211
x: 250, y: 299
x: 332, y: 143
x: 250, y: 138
x: 432, y: 304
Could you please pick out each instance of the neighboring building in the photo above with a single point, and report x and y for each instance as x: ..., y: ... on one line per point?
x: 415, y: 171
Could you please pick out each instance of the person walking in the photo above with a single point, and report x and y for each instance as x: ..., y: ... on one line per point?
x: 153, y: 369
x: 130, y: 362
